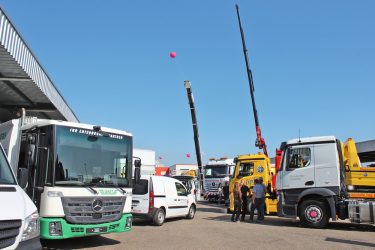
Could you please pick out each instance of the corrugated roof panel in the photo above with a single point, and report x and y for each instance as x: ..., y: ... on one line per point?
x: 17, y: 61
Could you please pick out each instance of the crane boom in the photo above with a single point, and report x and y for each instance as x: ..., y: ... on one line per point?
x: 259, y: 142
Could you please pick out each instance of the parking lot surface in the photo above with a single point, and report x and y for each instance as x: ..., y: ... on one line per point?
x: 212, y: 229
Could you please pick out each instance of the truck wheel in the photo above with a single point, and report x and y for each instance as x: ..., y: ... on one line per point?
x: 314, y: 214
x: 191, y: 212
x: 159, y: 217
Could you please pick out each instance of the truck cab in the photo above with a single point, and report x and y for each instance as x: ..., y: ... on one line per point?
x: 217, y: 174
x: 321, y: 178
x: 250, y: 167
x: 79, y: 175
x: 19, y: 218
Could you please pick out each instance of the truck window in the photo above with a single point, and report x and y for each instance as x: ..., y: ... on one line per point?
x: 141, y: 188
x: 298, y: 158
x: 246, y: 169
x: 181, y: 190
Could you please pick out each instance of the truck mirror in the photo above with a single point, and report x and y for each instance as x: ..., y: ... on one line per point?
x: 23, y: 175
x: 137, y: 174
x: 138, y: 163
x: 30, y: 155
x: 235, y: 160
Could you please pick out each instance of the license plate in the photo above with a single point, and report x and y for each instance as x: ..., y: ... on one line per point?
x: 96, y: 230
x: 97, y: 216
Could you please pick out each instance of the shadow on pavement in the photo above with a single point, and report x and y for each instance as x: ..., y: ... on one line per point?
x: 278, y: 221
x: 79, y: 243
x: 351, y: 242
x: 148, y: 223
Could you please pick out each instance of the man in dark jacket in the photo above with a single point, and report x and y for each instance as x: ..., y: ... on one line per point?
x: 245, y: 193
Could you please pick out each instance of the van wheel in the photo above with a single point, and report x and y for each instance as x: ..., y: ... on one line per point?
x: 159, y: 217
x: 314, y: 214
x: 191, y: 212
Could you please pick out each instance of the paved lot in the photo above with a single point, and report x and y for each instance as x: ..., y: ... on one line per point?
x: 212, y: 229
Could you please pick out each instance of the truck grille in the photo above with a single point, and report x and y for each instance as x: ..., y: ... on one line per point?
x: 210, y: 188
x: 9, y: 230
x: 93, y: 210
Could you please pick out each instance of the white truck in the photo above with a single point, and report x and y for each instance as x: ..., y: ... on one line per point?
x: 19, y: 225
x: 79, y: 175
x: 321, y: 178
x: 217, y: 173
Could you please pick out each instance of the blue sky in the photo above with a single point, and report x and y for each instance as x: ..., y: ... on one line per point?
x: 312, y: 62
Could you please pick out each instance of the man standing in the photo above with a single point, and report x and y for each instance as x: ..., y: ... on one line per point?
x: 258, y: 199
x: 244, y: 191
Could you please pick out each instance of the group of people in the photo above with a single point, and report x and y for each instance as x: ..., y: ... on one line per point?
x: 241, y: 193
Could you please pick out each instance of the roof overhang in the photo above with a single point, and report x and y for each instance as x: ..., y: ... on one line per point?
x: 23, y: 81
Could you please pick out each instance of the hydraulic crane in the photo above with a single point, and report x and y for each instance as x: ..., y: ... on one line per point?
x: 259, y: 142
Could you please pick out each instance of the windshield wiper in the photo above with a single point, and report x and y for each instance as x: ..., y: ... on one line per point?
x: 89, y: 187
x: 110, y: 185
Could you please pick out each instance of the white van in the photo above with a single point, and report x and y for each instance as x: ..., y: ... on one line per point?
x: 158, y: 197
x: 19, y: 225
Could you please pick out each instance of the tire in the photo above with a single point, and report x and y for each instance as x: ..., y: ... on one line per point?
x: 191, y: 212
x: 314, y: 214
x: 159, y: 217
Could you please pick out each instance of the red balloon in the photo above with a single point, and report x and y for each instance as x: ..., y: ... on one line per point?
x: 172, y: 54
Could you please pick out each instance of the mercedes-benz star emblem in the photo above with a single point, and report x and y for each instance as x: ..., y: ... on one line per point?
x: 97, y: 205
x: 213, y: 184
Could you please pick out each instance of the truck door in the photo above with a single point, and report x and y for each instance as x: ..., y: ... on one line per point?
x: 298, y: 170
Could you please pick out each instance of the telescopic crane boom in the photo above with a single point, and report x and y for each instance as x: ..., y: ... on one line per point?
x: 259, y: 142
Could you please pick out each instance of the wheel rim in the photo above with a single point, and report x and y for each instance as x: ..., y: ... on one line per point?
x: 191, y: 211
x: 160, y: 216
x: 314, y: 214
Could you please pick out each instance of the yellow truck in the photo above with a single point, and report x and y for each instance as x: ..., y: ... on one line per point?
x: 250, y: 167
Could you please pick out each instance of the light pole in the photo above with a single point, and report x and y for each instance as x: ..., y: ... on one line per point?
x: 187, y: 85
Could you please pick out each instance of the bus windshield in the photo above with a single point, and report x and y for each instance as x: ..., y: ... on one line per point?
x: 216, y: 171
x: 90, y: 158
x: 6, y: 176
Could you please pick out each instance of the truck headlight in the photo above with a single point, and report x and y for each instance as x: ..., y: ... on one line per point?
x: 129, y: 222
x: 55, y: 229
x: 31, y: 228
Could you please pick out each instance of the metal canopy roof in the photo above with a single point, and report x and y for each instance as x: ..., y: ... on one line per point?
x: 23, y: 81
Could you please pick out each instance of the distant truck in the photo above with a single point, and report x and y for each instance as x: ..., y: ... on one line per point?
x: 217, y: 173
x: 179, y: 169
x: 148, y: 158
x: 19, y: 225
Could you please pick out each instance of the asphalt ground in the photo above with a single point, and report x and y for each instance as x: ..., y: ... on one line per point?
x: 212, y: 229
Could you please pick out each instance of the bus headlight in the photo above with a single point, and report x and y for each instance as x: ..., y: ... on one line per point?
x: 31, y: 227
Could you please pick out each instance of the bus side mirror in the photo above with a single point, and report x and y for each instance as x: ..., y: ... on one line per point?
x: 23, y: 175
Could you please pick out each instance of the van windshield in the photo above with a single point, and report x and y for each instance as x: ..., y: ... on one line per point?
x: 6, y: 176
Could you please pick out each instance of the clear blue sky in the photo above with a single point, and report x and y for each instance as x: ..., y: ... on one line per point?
x: 313, y: 64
